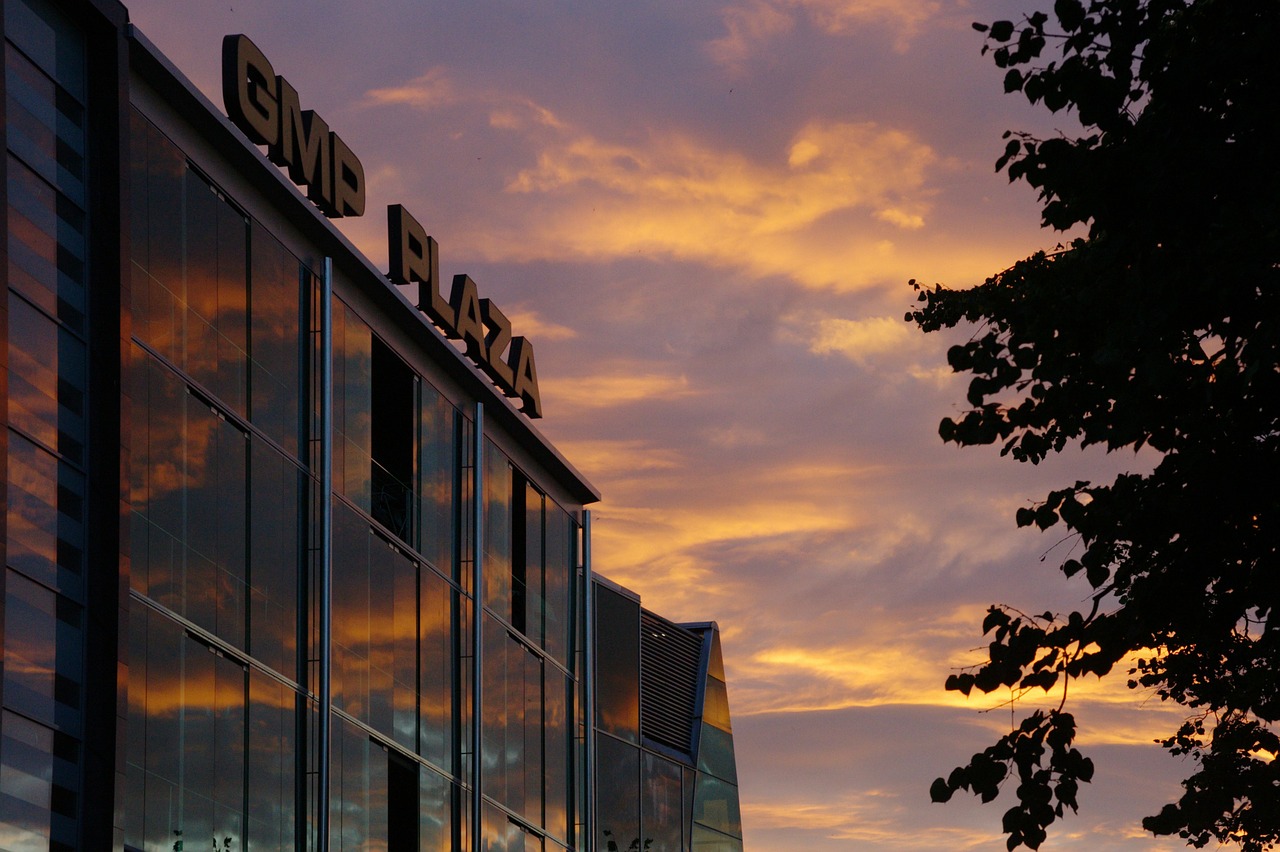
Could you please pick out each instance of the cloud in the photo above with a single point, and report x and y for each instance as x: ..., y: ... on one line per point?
x: 620, y: 384
x: 751, y: 26
x: 859, y: 339
x: 428, y: 91
x: 673, y: 196
x: 528, y: 322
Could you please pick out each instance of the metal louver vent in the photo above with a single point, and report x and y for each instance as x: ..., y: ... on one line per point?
x: 670, y: 658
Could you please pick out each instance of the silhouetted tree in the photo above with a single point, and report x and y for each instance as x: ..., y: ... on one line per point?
x: 1160, y: 328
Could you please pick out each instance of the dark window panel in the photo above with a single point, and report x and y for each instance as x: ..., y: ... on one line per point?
x: 618, y: 664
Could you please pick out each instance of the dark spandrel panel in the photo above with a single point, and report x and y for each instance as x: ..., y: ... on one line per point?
x: 617, y: 664
x: 393, y: 430
x: 277, y: 335
x: 46, y: 244
x: 38, y: 778
x: 558, y: 738
x: 439, y: 626
x: 438, y: 483
x: 270, y: 761
x: 275, y: 557
x: 715, y: 805
x: 617, y: 794
x: 45, y: 517
x: 50, y: 39
x: 706, y: 840
x: 715, y: 754
x: 661, y: 807
x: 558, y: 583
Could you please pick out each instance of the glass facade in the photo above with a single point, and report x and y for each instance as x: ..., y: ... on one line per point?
x: 666, y: 778
x: 42, y: 729
x: 453, y: 599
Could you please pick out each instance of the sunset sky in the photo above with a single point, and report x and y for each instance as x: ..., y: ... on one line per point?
x: 704, y: 215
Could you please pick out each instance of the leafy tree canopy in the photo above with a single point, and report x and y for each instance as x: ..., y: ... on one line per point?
x: 1160, y: 328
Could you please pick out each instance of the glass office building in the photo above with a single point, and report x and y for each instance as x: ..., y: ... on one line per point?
x: 284, y: 567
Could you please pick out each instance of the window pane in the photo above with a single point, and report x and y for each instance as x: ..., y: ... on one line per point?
x: 275, y: 529
x: 439, y: 627
x: 46, y: 246
x: 277, y: 326
x: 47, y: 377
x: 560, y: 573
x: 438, y: 480
x: 557, y: 731
x: 190, y: 542
x: 617, y: 794
x: 617, y: 664
x: 45, y: 517
x: 497, y: 530
x: 271, y: 770
x: 38, y: 780
x: 661, y: 807
x: 44, y: 656
x: 715, y: 805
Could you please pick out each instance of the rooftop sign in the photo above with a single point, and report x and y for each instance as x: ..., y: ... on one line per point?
x: 267, y: 109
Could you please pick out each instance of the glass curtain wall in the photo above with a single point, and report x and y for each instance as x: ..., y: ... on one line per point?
x: 657, y: 791
x: 220, y: 713
x: 224, y: 582
x: 43, y: 587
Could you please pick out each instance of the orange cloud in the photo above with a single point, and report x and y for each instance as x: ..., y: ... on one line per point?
x: 620, y: 385
x: 750, y: 26
x: 428, y: 91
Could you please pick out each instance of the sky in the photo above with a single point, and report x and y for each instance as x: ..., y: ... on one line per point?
x: 704, y: 214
